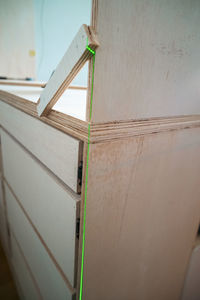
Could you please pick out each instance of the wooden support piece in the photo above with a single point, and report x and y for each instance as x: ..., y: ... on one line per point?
x: 71, y: 63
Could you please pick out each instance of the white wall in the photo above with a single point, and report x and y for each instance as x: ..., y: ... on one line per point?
x: 17, y: 48
x: 56, y: 24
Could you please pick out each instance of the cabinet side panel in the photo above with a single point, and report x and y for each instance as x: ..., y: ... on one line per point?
x: 143, y: 210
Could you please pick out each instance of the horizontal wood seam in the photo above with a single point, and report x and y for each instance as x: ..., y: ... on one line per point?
x: 67, y: 124
x: 102, y: 132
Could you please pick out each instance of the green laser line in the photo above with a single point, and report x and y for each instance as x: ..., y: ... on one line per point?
x: 86, y: 176
x: 92, y: 51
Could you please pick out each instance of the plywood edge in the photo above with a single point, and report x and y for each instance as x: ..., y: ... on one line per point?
x: 105, y: 131
x: 65, y: 123
x: 101, y: 132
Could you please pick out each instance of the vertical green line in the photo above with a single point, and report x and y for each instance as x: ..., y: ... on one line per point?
x: 86, y: 182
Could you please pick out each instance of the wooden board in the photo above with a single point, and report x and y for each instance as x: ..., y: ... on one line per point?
x: 24, y: 279
x: 58, y: 151
x: 71, y: 63
x: 142, y: 215
x: 48, y: 205
x: 149, y: 59
x: 48, y: 279
x: 191, y: 289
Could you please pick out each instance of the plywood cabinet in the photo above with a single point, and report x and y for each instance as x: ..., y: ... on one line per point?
x: 111, y: 204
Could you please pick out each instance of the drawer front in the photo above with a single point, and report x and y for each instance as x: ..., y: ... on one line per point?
x: 49, y: 281
x: 55, y: 149
x: 47, y: 204
x: 24, y: 281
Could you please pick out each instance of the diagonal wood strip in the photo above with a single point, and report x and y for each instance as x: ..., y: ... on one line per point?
x: 71, y: 63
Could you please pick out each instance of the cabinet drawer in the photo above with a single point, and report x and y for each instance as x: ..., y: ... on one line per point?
x: 48, y: 280
x: 50, y: 208
x: 58, y: 151
x: 26, y: 288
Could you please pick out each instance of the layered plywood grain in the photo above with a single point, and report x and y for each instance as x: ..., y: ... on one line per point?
x: 65, y: 123
x: 148, y: 61
x: 50, y: 208
x: 142, y: 216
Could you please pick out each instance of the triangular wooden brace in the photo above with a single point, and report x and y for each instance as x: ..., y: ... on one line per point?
x: 74, y: 59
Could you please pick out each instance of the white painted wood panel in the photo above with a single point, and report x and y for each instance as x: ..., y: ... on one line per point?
x: 51, y: 208
x: 23, y: 277
x: 48, y: 279
x: 58, y: 151
x: 148, y: 64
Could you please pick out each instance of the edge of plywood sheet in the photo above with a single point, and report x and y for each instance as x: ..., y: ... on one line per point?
x: 65, y: 123
x: 71, y: 63
x: 103, y: 131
